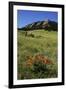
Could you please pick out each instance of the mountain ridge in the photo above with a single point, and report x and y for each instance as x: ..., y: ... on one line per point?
x: 47, y: 24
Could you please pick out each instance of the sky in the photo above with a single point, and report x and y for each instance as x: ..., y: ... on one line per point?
x: 25, y: 17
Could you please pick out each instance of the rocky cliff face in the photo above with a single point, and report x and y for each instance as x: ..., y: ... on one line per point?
x: 47, y: 25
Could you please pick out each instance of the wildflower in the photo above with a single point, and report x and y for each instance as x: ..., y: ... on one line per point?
x: 37, y: 58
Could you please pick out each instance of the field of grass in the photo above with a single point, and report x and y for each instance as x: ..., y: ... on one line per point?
x: 37, y: 42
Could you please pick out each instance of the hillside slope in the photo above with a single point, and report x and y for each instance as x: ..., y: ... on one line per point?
x: 43, y: 43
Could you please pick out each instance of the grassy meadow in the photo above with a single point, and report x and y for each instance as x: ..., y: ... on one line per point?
x: 37, y: 54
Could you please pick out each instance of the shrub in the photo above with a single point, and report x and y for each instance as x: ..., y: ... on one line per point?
x: 31, y: 35
x: 38, y: 66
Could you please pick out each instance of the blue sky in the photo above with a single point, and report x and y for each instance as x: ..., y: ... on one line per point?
x: 25, y: 17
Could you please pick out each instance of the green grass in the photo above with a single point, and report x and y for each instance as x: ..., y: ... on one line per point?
x: 44, y: 42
